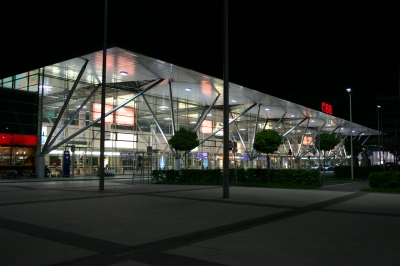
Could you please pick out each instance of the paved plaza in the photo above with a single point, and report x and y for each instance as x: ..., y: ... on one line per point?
x: 73, y: 223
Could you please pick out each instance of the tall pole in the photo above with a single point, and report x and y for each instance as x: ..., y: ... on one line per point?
x: 379, y: 138
x: 351, y: 137
x: 103, y: 102
x: 383, y: 144
x: 226, y: 107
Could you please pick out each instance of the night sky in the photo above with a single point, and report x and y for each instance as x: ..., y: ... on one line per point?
x: 302, y: 52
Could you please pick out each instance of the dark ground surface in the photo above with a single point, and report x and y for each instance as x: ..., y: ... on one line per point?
x: 73, y: 223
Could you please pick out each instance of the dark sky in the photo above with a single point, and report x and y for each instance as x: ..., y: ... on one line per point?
x: 302, y: 52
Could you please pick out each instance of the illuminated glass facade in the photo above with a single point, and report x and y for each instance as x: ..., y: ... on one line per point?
x: 148, y: 99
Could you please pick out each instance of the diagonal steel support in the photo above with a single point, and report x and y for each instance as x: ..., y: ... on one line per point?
x: 279, y: 120
x: 204, y: 114
x: 333, y: 131
x: 357, y: 135
x: 45, y: 146
x: 72, y: 118
x: 337, y: 134
x: 240, y: 136
x: 365, y: 139
x: 293, y: 128
x: 172, y: 107
x: 301, y: 143
x: 158, y: 124
x: 106, y: 114
x: 266, y: 122
x: 234, y: 119
x: 255, y: 131
x: 312, y: 141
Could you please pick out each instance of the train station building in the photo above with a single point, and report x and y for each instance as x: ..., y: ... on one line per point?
x: 57, y: 108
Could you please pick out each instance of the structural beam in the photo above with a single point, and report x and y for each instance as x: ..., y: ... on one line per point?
x: 158, y: 124
x: 365, y: 139
x: 301, y: 142
x: 255, y: 131
x: 204, y: 114
x: 290, y: 130
x: 234, y: 119
x: 172, y: 108
x: 107, y: 114
x: 280, y: 120
x: 71, y: 118
x: 240, y: 135
x: 45, y: 146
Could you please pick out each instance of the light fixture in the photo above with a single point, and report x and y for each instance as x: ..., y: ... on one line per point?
x: 348, y: 89
x: 163, y: 106
x: 242, y: 129
x: 291, y: 115
x: 209, y: 114
x: 188, y: 89
x: 123, y: 73
x: 167, y: 118
x: 312, y: 121
x: 266, y: 109
x: 233, y: 101
x: 193, y: 122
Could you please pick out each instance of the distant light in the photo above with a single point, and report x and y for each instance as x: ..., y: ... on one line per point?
x: 352, y: 131
x: 233, y: 101
x: 209, y: 114
x: 188, y: 89
x: 82, y: 107
x: 312, y: 121
x: 163, y: 107
x: 348, y: 89
x: 123, y: 73
x: 291, y: 115
x: 193, y: 122
x: 167, y: 118
x: 266, y: 109
x: 379, y: 106
x: 328, y: 125
x: 45, y: 87
x: 242, y: 129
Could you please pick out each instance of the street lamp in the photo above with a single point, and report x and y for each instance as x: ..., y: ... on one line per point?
x: 351, y: 136
x: 379, y: 138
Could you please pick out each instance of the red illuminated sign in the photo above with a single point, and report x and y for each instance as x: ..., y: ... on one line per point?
x: 326, y: 108
x: 18, y: 139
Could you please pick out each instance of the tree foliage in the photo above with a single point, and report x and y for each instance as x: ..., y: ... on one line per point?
x: 392, y: 145
x: 267, y: 141
x: 357, y: 147
x: 184, y: 140
x: 327, y: 141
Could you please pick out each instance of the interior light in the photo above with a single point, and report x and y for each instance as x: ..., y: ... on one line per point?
x: 167, y: 118
x: 45, y: 87
x: 209, y: 114
x: 123, y: 73
x: 193, y: 122
x: 163, y: 107
x: 312, y: 121
x: 266, y: 109
x: 291, y: 115
x: 233, y: 101
x: 188, y: 89
x: 242, y: 129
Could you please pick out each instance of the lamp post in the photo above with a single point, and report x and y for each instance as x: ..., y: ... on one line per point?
x: 351, y: 136
x: 379, y: 138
